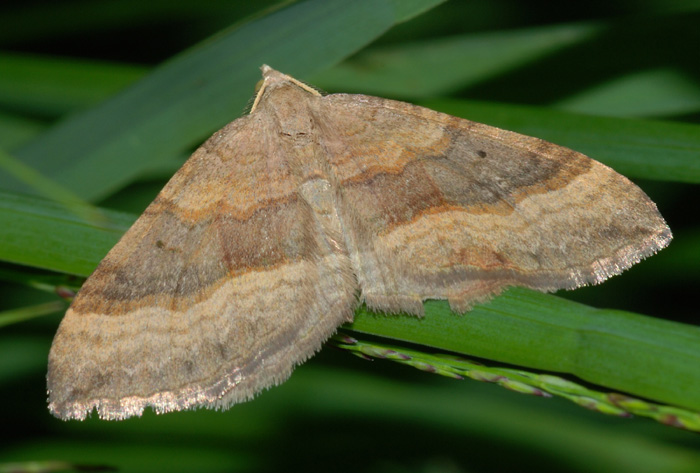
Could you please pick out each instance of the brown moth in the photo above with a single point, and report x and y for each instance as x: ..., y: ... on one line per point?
x: 280, y: 224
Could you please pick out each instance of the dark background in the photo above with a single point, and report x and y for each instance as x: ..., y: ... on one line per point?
x: 337, y: 412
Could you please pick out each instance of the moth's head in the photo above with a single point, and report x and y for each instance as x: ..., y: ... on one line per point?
x: 277, y: 89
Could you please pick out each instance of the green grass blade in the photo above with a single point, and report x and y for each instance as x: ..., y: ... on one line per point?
x: 435, y: 67
x: 411, y: 425
x: 602, y: 68
x: 629, y: 352
x: 656, y: 92
x: 522, y: 381
x: 404, y: 420
x: 48, y: 235
x: 16, y: 131
x: 13, y: 316
x: 50, y: 86
x: 197, y: 92
x: 43, y: 185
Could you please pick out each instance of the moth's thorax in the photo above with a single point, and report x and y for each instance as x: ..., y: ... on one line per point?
x: 290, y: 108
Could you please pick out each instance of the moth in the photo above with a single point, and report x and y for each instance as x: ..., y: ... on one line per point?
x: 285, y: 220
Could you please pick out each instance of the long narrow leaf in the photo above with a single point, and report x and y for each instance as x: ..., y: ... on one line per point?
x: 196, y: 93
x: 50, y: 86
x: 641, y: 355
x: 45, y: 234
x: 436, y: 67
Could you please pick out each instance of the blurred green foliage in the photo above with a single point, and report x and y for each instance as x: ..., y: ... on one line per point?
x: 107, y: 98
